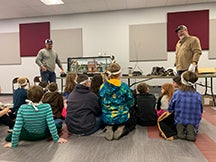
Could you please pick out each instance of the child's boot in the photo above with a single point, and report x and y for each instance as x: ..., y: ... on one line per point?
x: 190, y: 133
x: 119, y: 132
x: 109, y: 133
x: 180, y: 131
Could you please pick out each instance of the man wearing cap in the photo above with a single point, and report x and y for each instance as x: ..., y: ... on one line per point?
x: 46, y: 60
x: 188, y: 51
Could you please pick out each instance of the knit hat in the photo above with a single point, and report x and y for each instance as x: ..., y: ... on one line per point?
x: 22, y: 81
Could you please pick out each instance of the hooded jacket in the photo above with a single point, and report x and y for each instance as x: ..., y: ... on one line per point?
x: 56, y: 102
x: 146, y: 114
x: 116, y: 99
x: 82, y: 109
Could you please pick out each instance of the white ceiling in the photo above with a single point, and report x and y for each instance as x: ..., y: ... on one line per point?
x: 10, y: 9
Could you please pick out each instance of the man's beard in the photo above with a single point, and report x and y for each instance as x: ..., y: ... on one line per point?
x: 181, y: 37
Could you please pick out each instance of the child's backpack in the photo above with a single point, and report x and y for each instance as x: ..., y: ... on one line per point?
x: 166, y: 126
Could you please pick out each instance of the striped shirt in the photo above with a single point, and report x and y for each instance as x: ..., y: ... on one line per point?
x: 33, y: 121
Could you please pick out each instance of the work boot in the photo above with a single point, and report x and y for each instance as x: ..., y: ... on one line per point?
x: 119, y: 132
x: 109, y: 133
x: 190, y: 133
x: 180, y: 131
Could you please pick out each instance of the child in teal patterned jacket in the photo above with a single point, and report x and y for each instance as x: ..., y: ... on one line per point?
x: 116, y: 100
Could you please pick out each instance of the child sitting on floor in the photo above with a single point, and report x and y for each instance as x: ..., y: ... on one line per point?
x: 116, y: 100
x: 97, y: 81
x: 70, y: 83
x: 167, y: 91
x: 186, y: 104
x: 177, y: 82
x: 146, y: 114
x: 83, y: 109
x: 5, y: 119
x: 19, y: 96
x: 34, y: 120
x: 55, y: 99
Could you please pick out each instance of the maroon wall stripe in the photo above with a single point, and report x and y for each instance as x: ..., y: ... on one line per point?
x: 32, y: 36
x: 197, y: 23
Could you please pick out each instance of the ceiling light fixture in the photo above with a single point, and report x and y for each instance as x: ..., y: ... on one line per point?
x: 52, y: 2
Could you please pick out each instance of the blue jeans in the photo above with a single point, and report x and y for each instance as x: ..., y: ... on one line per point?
x: 48, y: 76
x: 180, y: 72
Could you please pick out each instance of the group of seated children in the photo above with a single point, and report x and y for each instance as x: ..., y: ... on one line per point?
x: 179, y: 98
x: 34, y: 118
x: 98, y: 103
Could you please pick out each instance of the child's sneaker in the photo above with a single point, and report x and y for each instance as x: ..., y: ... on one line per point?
x: 109, y: 133
x: 190, y: 133
x: 119, y: 132
x: 180, y: 131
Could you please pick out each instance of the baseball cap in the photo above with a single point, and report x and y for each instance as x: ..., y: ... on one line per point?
x: 181, y: 27
x: 48, y: 41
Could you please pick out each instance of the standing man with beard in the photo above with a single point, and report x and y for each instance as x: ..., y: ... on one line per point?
x: 188, y: 51
x: 46, y: 60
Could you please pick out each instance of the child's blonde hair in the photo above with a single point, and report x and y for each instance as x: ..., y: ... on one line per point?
x: 22, y: 81
x: 168, y: 90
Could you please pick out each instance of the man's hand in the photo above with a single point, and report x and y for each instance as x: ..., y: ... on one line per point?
x: 43, y: 68
x: 62, y: 71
